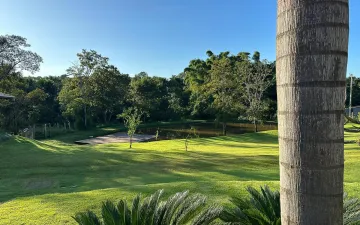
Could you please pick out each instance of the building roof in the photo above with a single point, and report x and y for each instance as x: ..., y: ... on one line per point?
x: 2, y: 95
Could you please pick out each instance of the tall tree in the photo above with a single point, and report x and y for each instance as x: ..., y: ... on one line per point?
x: 225, y: 90
x: 88, y: 63
x: 312, y: 50
x: 149, y: 94
x: 110, y: 91
x: 15, y: 57
x: 132, y: 119
x: 256, y: 78
x: 178, y: 97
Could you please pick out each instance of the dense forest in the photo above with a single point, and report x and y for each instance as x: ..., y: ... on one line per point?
x: 222, y: 87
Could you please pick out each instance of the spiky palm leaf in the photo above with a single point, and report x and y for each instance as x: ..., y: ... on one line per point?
x: 261, y: 208
x: 87, y: 218
x: 180, y: 208
x: 351, y: 213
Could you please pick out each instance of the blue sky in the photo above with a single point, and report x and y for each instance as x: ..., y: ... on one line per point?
x: 157, y: 36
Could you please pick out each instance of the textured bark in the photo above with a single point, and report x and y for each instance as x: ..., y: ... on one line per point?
x: 312, y: 50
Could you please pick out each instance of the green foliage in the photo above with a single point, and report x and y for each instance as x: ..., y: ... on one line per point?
x: 150, y: 95
x: 180, y: 208
x: 230, y: 86
x: 261, y: 208
x: 15, y: 57
x: 110, y: 91
x: 256, y: 79
x: 351, y: 211
x: 92, y: 92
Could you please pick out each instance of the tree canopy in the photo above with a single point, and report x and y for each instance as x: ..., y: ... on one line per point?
x: 223, y: 87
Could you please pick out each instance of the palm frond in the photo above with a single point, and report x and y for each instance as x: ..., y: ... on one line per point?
x: 87, y: 218
x: 207, y: 216
x: 110, y: 214
x: 135, y: 210
x: 189, y: 208
x: 172, y: 204
x: 179, y: 209
x: 124, y: 211
x: 351, y: 214
x: 260, y: 208
x: 152, y: 206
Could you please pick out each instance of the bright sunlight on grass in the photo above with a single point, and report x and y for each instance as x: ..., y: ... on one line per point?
x: 47, y: 182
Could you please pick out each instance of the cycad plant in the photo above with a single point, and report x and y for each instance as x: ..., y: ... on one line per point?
x: 180, y: 208
x: 351, y: 213
x: 263, y: 208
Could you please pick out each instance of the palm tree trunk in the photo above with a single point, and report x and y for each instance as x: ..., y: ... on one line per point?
x: 312, y: 45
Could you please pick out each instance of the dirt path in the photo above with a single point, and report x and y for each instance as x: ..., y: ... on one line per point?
x: 115, y: 138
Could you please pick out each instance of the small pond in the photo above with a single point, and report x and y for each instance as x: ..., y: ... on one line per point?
x: 208, y: 129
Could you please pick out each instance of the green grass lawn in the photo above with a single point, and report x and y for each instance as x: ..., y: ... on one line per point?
x: 47, y: 182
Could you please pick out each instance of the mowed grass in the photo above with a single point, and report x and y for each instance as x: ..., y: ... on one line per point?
x: 49, y: 181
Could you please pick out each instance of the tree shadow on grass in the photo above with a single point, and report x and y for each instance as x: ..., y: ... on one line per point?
x: 252, y: 138
x: 27, y: 163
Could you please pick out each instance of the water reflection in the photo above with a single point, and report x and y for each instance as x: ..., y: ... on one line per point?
x: 166, y: 132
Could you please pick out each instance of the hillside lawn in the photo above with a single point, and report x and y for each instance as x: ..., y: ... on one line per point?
x: 46, y: 182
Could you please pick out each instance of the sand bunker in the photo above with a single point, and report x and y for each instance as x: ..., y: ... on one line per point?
x: 115, y: 138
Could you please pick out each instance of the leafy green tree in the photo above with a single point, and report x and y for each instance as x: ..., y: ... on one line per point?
x: 178, y: 97
x: 150, y: 95
x: 224, y: 88
x: 110, y: 90
x: 51, y: 111
x: 179, y: 209
x: 15, y: 57
x: 196, y: 76
x: 256, y: 78
x: 88, y: 63
x: 132, y: 119
x: 219, y: 87
x: 36, y: 99
x: 355, y: 101
x: 72, y: 101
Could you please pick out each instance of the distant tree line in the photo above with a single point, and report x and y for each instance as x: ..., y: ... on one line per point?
x: 223, y: 87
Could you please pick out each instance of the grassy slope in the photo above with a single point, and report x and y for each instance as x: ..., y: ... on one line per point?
x: 47, y: 182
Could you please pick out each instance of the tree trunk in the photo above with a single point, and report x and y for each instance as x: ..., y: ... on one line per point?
x: 312, y: 45
x: 224, y: 128
x: 130, y: 141
x: 105, y: 117
x: 109, y: 118
x: 33, y: 132
x: 255, y: 126
x: 85, y: 119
